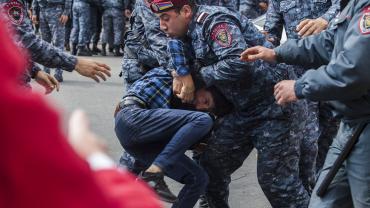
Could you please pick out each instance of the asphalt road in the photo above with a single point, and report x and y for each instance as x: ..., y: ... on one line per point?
x: 99, y: 100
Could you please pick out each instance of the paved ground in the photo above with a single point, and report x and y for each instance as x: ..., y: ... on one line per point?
x: 99, y: 100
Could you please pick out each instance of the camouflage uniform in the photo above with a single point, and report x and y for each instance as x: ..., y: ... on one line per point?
x: 80, y: 34
x: 218, y: 36
x: 339, y: 74
x: 145, y: 44
x: 52, y: 30
x: 39, y: 50
x: 251, y: 9
x: 96, y: 21
x: 113, y: 20
x: 312, y: 122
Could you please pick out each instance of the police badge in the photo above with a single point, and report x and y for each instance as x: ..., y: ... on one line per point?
x: 14, y: 11
x: 221, y: 35
x: 364, y: 23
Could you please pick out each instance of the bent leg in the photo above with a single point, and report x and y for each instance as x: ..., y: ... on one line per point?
x: 278, y: 165
x: 227, y: 149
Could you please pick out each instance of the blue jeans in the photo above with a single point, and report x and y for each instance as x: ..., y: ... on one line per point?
x: 161, y: 137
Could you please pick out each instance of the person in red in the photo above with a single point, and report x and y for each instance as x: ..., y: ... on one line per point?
x: 39, y: 168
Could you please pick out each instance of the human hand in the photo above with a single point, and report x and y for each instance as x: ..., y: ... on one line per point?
x: 284, y: 92
x: 270, y: 39
x: 127, y: 13
x: 258, y: 52
x: 63, y: 19
x: 34, y: 20
x: 263, y: 6
x: 186, y: 93
x: 176, y: 86
x: 92, y: 69
x: 47, y: 81
x: 81, y: 138
x: 311, y: 26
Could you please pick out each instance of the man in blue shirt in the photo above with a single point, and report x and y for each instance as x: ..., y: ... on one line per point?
x: 158, y: 136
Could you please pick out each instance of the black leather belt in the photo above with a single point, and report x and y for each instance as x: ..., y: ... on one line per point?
x: 132, y: 101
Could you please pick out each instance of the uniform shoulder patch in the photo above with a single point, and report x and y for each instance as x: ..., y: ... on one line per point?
x: 202, y: 17
x: 364, y: 22
x: 221, y: 34
x: 14, y: 11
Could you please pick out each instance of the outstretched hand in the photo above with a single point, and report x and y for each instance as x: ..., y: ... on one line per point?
x: 81, y: 138
x: 258, y: 52
x: 92, y: 69
x: 47, y: 81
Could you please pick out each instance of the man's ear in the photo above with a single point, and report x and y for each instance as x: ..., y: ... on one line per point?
x: 187, y: 11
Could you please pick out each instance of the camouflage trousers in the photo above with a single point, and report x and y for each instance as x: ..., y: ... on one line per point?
x: 52, y: 30
x: 233, y: 138
x: 80, y: 34
x: 113, y: 23
x: 313, y: 125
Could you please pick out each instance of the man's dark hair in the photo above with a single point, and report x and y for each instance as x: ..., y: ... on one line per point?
x: 222, y: 105
x: 191, y: 3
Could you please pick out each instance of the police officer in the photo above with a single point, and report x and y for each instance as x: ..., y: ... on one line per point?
x: 312, y: 122
x: 80, y: 35
x: 217, y: 36
x: 340, y: 75
x: 53, y: 17
x: 113, y: 22
x: 96, y: 13
x: 14, y: 12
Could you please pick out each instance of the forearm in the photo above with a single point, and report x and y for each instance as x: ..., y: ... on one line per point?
x: 312, y: 51
x: 226, y: 71
x: 42, y: 52
x: 332, y: 11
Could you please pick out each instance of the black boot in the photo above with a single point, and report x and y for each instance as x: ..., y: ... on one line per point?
x: 83, y: 51
x: 74, y: 49
x: 103, y: 49
x: 110, y: 48
x: 116, y: 51
x: 203, y: 202
x: 95, y: 49
x: 156, y: 181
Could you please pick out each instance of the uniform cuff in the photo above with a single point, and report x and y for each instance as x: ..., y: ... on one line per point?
x: 298, y: 88
x: 182, y: 70
x: 70, y: 62
x: 279, y: 58
x: 34, y: 71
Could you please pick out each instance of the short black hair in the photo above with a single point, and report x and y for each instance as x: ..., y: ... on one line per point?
x: 191, y: 3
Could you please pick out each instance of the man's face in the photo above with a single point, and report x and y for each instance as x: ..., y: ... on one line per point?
x: 175, y: 24
x: 204, y: 100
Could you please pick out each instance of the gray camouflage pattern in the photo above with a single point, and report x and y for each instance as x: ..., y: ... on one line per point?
x: 80, y: 34
x: 257, y: 122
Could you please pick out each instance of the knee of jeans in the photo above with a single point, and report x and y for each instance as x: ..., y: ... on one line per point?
x: 204, y: 120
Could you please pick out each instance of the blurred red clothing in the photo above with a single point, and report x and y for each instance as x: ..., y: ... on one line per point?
x: 38, y: 168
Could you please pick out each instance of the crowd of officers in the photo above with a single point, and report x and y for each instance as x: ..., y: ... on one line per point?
x: 292, y: 140
x: 75, y: 25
